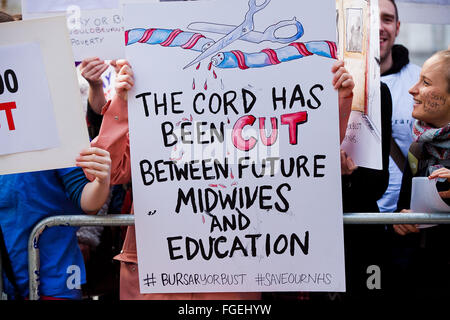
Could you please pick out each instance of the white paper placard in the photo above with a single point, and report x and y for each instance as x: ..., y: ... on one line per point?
x: 425, y: 197
x: 205, y: 214
x: 59, y: 75
x: 27, y: 120
x: 363, y: 139
x: 96, y: 28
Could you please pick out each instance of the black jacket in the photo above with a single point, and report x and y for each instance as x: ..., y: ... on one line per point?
x: 362, y: 189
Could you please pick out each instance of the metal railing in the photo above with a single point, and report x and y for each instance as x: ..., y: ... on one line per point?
x: 128, y: 220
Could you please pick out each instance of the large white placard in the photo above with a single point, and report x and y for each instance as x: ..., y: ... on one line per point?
x: 49, y: 89
x: 27, y: 120
x: 235, y: 159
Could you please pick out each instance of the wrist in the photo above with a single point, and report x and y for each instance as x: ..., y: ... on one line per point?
x: 96, y: 84
x: 348, y: 96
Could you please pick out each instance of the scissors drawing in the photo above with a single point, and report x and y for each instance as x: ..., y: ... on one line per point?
x: 244, y: 31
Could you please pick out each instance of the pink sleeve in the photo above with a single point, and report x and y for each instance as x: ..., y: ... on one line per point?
x: 114, y: 138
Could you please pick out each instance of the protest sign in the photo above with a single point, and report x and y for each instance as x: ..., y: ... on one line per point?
x: 38, y: 76
x: 95, y: 27
x: 27, y: 121
x: 93, y: 32
x: 358, y: 29
x: 235, y: 154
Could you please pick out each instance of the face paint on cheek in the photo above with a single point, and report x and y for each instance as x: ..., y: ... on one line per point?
x: 433, y: 101
x: 441, y: 100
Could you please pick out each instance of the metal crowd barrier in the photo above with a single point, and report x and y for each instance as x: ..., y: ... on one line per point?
x: 128, y: 220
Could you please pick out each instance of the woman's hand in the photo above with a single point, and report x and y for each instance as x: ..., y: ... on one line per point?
x: 343, y: 82
x: 442, y: 173
x: 404, y: 229
x: 124, y: 79
x: 347, y: 164
x: 96, y: 164
x: 92, y: 69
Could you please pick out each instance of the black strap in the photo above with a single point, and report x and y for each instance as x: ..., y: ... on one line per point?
x: 397, y: 155
x: 7, y: 267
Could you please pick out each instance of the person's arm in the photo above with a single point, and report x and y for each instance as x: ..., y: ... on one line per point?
x: 96, y: 164
x: 442, y: 173
x: 92, y: 69
x: 113, y: 135
x: 88, y: 189
x: 343, y: 82
x: 405, y: 197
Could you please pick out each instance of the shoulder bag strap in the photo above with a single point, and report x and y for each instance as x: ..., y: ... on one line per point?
x: 397, y: 155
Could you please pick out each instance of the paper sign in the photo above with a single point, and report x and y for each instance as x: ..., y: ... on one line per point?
x: 425, y: 197
x: 42, y: 6
x: 95, y: 27
x: 96, y: 33
x: 358, y: 22
x: 234, y: 154
x: 27, y: 120
x: 47, y: 93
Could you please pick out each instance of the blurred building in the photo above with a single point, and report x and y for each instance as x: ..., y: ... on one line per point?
x: 425, y: 27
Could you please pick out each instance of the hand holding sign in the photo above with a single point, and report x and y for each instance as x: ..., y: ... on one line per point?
x: 124, y: 80
x: 342, y: 80
x: 92, y: 69
x: 442, y: 173
x: 96, y: 164
x: 347, y: 164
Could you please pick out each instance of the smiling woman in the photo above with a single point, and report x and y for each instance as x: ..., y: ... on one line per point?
x: 432, y: 93
x: 422, y: 254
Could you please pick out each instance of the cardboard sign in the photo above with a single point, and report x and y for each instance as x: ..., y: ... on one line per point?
x: 358, y: 26
x: 27, y: 121
x: 42, y: 83
x: 235, y: 155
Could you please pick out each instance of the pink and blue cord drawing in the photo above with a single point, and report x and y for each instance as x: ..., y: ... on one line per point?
x: 234, y: 58
x: 245, y: 31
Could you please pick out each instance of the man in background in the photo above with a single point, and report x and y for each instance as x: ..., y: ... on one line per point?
x: 400, y: 75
